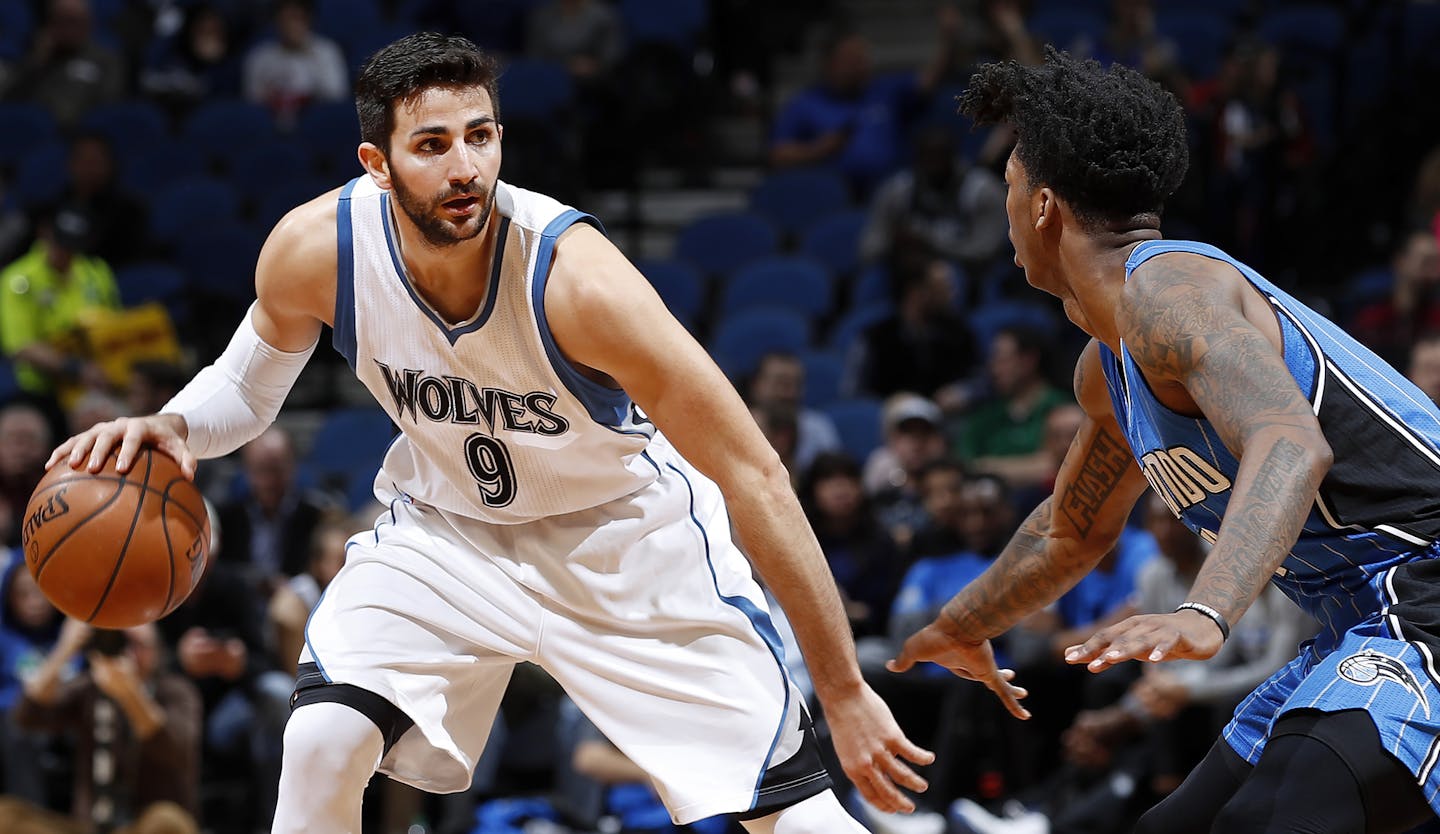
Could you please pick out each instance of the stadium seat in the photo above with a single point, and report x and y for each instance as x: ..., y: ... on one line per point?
x: 191, y: 205
x: 27, y: 127
x: 835, y: 241
x: 40, y: 175
x: 740, y: 340
x: 855, y: 322
x: 793, y: 199
x: 824, y: 371
x: 673, y: 22
x: 16, y: 26
x: 1200, y: 38
x: 217, y: 127
x: 340, y: 20
x: 257, y: 168
x: 1421, y: 28
x: 858, y: 422
x: 330, y: 133
x: 721, y: 243
x: 144, y: 282
x: 679, y: 285
x: 1313, y: 28
x: 799, y: 284
x: 535, y: 89
x: 347, y: 450
x: 988, y: 319
x: 148, y: 169
x: 281, y: 197
x: 129, y: 125
x: 1068, y: 28
x: 219, y: 258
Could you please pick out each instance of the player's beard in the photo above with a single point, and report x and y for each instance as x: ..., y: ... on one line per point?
x: 439, y: 231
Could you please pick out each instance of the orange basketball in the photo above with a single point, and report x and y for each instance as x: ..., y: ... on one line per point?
x: 117, y: 550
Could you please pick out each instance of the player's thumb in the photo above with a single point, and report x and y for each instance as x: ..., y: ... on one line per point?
x: 903, y: 661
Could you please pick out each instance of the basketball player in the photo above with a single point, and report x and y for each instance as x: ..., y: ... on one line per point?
x: 558, y: 494
x: 1300, y: 456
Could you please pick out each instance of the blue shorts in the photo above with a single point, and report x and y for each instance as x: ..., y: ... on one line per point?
x: 1384, y: 664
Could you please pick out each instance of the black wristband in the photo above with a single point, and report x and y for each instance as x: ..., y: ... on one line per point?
x: 1214, y: 615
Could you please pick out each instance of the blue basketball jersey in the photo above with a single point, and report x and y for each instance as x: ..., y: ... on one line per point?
x: 1379, y: 505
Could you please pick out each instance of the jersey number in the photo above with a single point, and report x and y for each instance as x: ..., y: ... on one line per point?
x: 490, y: 463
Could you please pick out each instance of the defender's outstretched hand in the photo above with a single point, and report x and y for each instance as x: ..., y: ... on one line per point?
x: 1187, y: 635
x: 90, y: 448
x: 873, y: 751
x: 967, y: 659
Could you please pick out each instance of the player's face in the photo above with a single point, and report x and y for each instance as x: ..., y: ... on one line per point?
x: 1020, y: 199
x: 444, y: 160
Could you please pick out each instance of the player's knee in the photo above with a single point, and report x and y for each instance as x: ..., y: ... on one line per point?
x: 332, y: 745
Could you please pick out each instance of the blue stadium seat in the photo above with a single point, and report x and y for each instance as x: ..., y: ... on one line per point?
x: 27, y: 127
x: 151, y: 168
x: 282, y: 197
x: 347, y: 450
x: 679, y: 285
x: 1421, y: 28
x: 799, y: 284
x: 40, y: 176
x: 1312, y: 28
x: 1200, y: 38
x: 740, y: 340
x: 793, y: 199
x: 721, y: 243
x: 129, y: 125
x: 330, y: 132
x: 144, y: 282
x: 537, y: 90
x: 217, y: 127
x: 9, y: 385
x: 340, y: 20
x: 824, y: 371
x: 854, y: 323
x: 256, y: 168
x: 988, y: 319
x: 858, y: 422
x: 219, y: 259
x: 835, y: 240
x: 1367, y: 287
x: 192, y: 205
x: 673, y: 22
x: 16, y: 25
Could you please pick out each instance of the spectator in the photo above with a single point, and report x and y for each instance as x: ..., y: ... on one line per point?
x: 119, y: 219
x: 296, y: 67
x: 1131, y: 39
x: 781, y: 428
x: 1003, y: 434
x: 68, y: 71
x: 25, y: 443
x: 29, y: 626
x: 942, y: 490
x: 268, y: 530
x: 292, y: 602
x: 1061, y: 425
x: 779, y: 381
x: 136, y: 727
x: 152, y: 384
x: 923, y: 346
x: 941, y: 204
x: 196, y: 63
x: 852, y: 120
x: 582, y: 35
x: 1391, y: 326
x: 891, y: 477
x: 863, y: 558
x: 1424, y: 366
x: 43, y: 297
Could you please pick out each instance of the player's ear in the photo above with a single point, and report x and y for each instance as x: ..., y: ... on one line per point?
x: 375, y: 163
x: 499, y: 131
x: 1045, y: 208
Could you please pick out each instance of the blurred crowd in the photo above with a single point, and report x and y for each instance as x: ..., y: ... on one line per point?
x: 864, y: 303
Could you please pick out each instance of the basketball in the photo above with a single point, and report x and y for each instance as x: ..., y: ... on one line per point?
x: 117, y: 550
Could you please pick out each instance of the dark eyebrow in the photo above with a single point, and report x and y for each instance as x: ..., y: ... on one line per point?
x: 439, y: 130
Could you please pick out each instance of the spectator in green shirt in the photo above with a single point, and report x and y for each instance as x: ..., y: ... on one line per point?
x: 1004, y: 434
x: 43, y: 296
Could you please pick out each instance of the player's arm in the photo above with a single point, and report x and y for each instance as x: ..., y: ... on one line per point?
x: 1061, y: 541
x: 605, y: 316
x: 1184, y: 319
x: 229, y: 402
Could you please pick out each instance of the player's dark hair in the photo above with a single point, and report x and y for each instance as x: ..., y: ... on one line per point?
x: 411, y: 65
x: 1111, y: 142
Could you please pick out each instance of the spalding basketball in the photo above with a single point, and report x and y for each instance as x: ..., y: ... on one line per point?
x: 117, y: 550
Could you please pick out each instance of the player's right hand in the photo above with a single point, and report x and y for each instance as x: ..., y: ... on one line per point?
x: 91, y: 448
x: 974, y: 660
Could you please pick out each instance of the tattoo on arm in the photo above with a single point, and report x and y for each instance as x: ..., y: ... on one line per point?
x: 1108, y: 460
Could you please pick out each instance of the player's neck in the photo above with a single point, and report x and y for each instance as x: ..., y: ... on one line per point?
x: 1094, y: 269
x: 452, y: 278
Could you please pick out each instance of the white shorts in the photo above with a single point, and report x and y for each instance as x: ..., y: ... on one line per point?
x: 642, y: 609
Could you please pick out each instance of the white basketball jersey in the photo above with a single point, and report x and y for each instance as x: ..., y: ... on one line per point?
x: 496, y: 423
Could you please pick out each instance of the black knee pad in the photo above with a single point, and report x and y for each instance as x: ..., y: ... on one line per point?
x: 311, y: 687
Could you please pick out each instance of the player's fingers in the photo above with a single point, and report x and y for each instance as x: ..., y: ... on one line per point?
x: 904, y: 661
x: 1129, y: 644
x: 902, y: 775
x: 80, y: 448
x: 179, y: 451
x: 879, y: 791
x: 105, y: 440
x: 908, y: 749
x: 60, y: 453
x: 1163, y: 647
x: 130, y: 443
x: 1007, y: 695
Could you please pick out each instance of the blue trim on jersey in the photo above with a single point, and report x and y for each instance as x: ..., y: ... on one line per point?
x: 759, y: 620
x: 342, y: 336
x: 646, y: 455
x: 491, y: 293
x: 610, y: 407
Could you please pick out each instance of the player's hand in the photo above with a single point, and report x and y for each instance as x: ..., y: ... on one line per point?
x: 1186, y: 634
x: 873, y: 750
x: 973, y: 660
x: 91, y: 448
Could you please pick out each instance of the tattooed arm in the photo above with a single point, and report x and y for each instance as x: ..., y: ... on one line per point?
x: 1059, y: 543
x: 1194, y: 324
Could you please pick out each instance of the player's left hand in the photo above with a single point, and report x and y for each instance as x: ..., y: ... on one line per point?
x: 873, y: 750
x: 1186, y: 634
